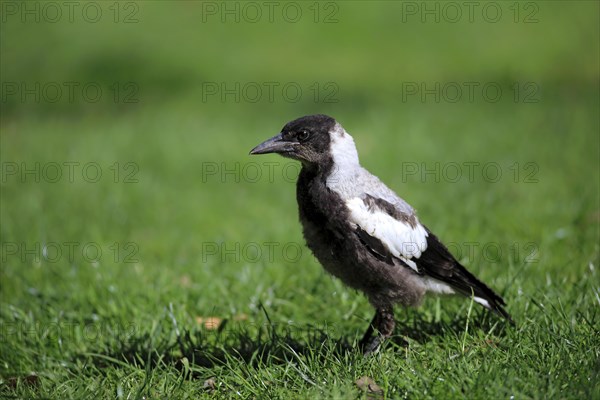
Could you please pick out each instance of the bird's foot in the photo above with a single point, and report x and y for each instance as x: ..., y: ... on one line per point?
x: 383, y: 323
x: 371, y: 344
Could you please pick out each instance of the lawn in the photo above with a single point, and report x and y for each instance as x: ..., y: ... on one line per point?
x: 145, y: 254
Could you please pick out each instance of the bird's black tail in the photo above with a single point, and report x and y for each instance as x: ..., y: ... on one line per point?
x: 482, y: 294
x: 440, y: 264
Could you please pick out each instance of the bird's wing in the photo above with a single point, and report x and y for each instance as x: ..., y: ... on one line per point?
x: 388, y: 231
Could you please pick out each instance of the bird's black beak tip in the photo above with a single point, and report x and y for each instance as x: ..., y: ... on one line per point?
x: 260, y: 149
x: 273, y: 145
x: 254, y: 152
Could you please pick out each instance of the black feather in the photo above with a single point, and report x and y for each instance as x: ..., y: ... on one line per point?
x: 375, y: 246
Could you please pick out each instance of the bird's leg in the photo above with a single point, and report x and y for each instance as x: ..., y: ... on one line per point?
x: 369, y: 333
x: 383, y: 322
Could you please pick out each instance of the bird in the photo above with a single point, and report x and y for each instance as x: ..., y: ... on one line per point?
x: 365, y: 234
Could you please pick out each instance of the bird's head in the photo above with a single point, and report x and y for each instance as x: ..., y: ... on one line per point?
x: 315, y: 140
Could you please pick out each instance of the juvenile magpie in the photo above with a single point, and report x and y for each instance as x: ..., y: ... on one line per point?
x: 362, y: 232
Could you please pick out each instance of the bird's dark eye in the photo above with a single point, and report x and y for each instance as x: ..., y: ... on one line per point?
x: 303, y: 135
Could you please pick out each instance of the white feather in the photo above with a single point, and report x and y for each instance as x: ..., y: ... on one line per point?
x: 346, y: 167
x: 433, y: 285
x: 400, y: 238
x: 483, y: 302
x: 343, y: 150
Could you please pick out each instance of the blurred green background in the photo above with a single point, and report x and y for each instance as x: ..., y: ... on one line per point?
x: 185, y: 93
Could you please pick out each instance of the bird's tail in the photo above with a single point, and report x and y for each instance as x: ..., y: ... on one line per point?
x: 483, y: 295
x: 449, y: 270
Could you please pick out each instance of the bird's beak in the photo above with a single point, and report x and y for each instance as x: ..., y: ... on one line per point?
x: 274, y: 145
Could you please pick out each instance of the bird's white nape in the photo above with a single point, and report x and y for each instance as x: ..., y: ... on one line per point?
x: 345, y: 167
x: 342, y: 148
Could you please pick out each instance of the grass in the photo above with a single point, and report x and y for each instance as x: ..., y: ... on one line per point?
x: 204, y: 288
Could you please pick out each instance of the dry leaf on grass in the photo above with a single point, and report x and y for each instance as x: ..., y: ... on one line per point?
x: 210, y: 384
x: 368, y: 385
x: 213, y: 323
x: 210, y: 323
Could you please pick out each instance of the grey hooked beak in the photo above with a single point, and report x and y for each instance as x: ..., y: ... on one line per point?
x: 274, y: 145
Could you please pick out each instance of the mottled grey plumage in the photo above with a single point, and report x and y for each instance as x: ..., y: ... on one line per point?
x: 362, y: 232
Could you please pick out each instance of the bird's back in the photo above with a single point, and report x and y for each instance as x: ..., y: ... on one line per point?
x: 359, y: 182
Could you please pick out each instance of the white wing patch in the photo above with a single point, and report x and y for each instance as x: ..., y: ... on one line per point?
x: 401, y: 239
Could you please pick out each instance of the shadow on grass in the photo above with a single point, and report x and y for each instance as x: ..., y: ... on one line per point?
x: 249, y: 344
x: 271, y: 344
x: 422, y: 330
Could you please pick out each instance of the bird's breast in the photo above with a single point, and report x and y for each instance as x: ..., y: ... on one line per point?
x: 325, y: 224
